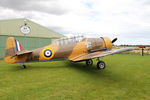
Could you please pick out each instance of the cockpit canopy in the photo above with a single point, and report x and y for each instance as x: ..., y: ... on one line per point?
x: 66, y: 40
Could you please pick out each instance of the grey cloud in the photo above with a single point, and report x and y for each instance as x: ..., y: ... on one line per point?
x: 48, y: 6
x: 146, y: 2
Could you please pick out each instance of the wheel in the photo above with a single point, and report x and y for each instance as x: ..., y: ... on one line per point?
x: 23, y: 66
x: 89, y: 62
x: 101, y: 65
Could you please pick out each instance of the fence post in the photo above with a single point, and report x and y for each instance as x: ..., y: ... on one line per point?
x: 142, y: 51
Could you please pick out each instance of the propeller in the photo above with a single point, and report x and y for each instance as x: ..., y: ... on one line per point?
x: 114, y: 40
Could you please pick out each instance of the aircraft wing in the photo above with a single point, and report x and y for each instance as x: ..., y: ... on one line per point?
x: 22, y: 53
x: 100, y: 54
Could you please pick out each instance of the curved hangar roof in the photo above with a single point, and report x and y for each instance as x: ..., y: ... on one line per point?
x: 12, y: 28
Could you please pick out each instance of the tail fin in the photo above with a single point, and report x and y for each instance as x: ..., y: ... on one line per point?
x: 12, y: 47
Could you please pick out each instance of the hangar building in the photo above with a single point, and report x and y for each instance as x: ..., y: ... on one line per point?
x: 30, y: 34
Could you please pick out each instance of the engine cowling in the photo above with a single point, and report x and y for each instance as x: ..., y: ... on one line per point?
x: 107, y: 43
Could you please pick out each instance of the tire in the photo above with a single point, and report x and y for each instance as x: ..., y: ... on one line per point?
x: 101, y: 65
x: 23, y: 66
x: 89, y: 62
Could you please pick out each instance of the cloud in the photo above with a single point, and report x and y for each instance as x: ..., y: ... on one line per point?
x: 48, y: 6
x: 128, y: 20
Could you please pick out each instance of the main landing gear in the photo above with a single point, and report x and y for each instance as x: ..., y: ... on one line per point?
x: 89, y: 62
x: 100, y: 64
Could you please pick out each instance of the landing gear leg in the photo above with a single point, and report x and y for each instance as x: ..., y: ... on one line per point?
x: 98, y: 59
x: 23, y: 66
x: 89, y: 62
x: 100, y: 64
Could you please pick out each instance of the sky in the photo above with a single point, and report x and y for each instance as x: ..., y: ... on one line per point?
x: 128, y: 20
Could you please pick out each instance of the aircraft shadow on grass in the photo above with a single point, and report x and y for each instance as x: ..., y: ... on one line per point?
x: 92, y: 72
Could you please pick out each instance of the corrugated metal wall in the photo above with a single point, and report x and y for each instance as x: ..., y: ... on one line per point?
x: 2, y: 46
x: 28, y: 43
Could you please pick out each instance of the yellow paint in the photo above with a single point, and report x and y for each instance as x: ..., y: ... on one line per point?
x: 79, y: 49
x: 10, y: 43
x: 9, y: 60
x: 108, y: 43
x: 16, y: 59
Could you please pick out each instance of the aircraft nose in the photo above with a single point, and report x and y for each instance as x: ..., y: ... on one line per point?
x: 107, y: 42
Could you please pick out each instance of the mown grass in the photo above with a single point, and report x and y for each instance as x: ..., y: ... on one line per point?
x: 126, y: 77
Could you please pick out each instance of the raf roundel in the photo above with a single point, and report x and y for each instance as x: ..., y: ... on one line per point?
x: 47, y: 53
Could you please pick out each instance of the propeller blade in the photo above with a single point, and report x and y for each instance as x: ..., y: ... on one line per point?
x: 114, y: 40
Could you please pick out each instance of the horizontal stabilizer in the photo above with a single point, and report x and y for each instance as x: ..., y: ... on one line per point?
x: 23, y: 52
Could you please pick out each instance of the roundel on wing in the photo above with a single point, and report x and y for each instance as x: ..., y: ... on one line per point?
x: 47, y: 53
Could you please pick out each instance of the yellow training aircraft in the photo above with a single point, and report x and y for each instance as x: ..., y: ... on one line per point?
x: 73, y: 49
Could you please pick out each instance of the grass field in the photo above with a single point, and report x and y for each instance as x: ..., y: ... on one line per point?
x: 126, y: 77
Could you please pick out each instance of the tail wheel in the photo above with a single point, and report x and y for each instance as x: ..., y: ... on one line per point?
x: 89, y: 62
x: 101, y: 65
x: 23, y: 66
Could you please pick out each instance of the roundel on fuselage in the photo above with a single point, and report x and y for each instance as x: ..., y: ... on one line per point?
x: 47, y: 54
